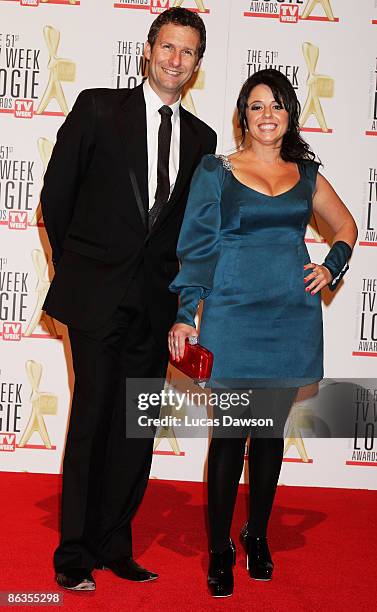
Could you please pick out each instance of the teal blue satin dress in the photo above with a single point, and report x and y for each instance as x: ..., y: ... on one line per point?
x: 243, y: 253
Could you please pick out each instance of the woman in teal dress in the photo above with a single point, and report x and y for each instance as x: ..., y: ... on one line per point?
x: 242, y: 251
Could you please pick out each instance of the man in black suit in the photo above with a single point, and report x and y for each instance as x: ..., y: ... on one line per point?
x: 113, y: 200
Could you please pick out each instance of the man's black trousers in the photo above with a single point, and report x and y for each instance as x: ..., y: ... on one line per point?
x: 105, y: 473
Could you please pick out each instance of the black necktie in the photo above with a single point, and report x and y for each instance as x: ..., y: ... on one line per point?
x: 163, y: 181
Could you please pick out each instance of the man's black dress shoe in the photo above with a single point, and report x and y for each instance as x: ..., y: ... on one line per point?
x: 220, y: 572
x: 76, y: 579
x: 127, y: 568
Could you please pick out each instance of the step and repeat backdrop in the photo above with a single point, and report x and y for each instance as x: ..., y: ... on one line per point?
x: 52, y: 49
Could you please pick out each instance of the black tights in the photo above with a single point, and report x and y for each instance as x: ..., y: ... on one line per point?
x: 225, y: 463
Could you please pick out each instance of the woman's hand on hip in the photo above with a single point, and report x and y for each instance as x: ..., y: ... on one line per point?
x: 320, y: 277
x: 177, y: 339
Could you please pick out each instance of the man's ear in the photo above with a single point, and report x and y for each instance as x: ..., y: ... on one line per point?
x: 198, y: 65
x: 147, y: 51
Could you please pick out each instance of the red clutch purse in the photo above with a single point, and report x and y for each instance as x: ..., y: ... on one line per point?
x: 196, y: 362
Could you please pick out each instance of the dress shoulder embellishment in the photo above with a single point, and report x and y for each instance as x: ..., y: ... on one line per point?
x: 225, y: 161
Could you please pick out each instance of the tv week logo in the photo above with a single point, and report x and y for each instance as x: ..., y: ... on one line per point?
x: 38, y: 2
x: 288, y: 13
x: 158, y: 6
x: 12, y: 331
x: 8, y: 442
x: 17, y: 220
x: 24, y: 109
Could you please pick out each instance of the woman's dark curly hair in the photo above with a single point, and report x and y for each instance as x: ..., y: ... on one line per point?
x: 294, y: 148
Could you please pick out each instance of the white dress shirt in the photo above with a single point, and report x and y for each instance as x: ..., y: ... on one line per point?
x: 153, y: 103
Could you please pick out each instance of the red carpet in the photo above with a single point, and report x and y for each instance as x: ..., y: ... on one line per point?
x: 323, y: 543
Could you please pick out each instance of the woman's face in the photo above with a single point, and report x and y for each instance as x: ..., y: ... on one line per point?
x: 267, y: 120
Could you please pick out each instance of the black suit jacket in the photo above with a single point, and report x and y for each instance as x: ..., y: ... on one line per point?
x: 95, y: 208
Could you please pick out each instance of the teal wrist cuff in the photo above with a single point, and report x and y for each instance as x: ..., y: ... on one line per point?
x: 337, y: 262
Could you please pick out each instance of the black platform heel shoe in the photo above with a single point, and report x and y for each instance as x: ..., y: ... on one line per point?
x: 220, y: 572
x: 259, y: 562
x: 258, y: 556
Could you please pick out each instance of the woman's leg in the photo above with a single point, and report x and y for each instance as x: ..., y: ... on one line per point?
x: 265, y: 459
x: 266, y: 455
x: 225, y: 463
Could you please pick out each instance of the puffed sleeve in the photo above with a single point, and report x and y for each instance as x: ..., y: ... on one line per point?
x: 198, y: 245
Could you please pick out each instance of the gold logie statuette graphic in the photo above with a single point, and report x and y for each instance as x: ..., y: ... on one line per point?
x: 311, y: 4
x: 319, y: 86
x: 199, y: 4
x: 40, y: 266
x: 60, y: 70
x: 45, y: 150
x: 198, y: 83
x: 42, y: 404
x: 167, y: 432
x: 294, y: 438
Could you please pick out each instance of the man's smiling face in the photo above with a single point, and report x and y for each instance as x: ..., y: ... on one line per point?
x: 172, y: 60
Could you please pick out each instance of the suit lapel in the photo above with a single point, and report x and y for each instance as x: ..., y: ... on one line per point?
x: 132, y: 124
x: 188, y: 156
